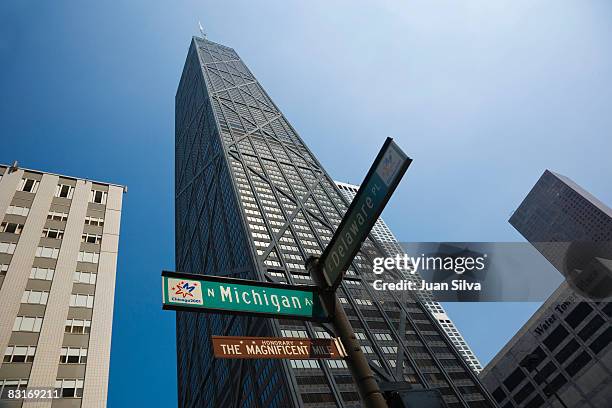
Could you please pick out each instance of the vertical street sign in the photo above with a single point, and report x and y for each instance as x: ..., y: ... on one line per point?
x: 276, y: 347
x: 376, y: 189
x: 203, y: 293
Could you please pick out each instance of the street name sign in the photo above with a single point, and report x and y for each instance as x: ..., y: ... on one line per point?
x: 374, y: 193
x: 276, y: 347
x: 205, y: 293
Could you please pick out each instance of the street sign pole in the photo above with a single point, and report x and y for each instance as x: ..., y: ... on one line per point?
x: 328, y: 271
x: 358, y: 365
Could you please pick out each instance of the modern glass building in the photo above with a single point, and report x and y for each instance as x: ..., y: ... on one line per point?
x: 568, y: 338
x: 383, y: 234
x: 253, y: 202
x: 59, y: 237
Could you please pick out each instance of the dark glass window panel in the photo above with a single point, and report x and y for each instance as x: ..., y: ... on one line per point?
x: 555, y: 338
x: 592, y: 326
x: 602, y: 341
x: 580, y: 361
x: 514, y: 379
x: 578, y: 315
x: 523, y: 393
x: 18, y: 358
x: 535, y: 402
x: 555, y: 385
x: 67, y: 392
x: 565, y: 353
x: 608, y: 309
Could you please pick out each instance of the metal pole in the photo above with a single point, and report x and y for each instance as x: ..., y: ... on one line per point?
x: 358, y: 365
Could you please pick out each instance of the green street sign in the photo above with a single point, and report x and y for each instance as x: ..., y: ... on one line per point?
x: 374, y: 193
x: 205, y: 293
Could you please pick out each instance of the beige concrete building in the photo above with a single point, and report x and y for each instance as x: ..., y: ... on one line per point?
x: 59, y: 238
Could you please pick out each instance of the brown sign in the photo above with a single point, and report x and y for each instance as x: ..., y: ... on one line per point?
x: 276, y: 347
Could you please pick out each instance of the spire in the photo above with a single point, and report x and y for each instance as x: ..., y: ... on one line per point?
x: 202, y: 30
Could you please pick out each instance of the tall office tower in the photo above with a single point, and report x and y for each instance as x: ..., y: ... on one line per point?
x: 568, y: 338
x: 253, y: 202
x: 58, y: 254
x: 382, y: 233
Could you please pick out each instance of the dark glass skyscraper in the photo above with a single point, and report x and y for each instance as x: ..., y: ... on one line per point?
x: 253, y: 202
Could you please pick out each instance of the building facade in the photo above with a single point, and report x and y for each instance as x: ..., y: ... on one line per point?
x: 568, y: 338
x: 383, y: 234
x: 59, y: 238
x: 253, y: 202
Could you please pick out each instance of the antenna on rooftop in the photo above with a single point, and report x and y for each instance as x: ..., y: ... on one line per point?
x: 202, y: 30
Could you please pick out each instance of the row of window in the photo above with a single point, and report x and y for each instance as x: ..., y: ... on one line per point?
x: 62, y: 190
x: 33, y: 324
x: 66, y: 388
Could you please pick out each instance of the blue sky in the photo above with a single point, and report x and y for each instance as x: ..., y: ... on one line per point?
x: 483, y: 95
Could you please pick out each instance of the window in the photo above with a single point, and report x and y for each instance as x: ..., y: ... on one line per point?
x: 591, y: 327
x: 42, y: 273
x: 3, y: 269
x: 64, y: 191
x: 336, y: 363
x: 28, y: 324
x: 11, y: 227
x: 69, y: 388
x: 98, y: 196
x: 580, y: 361
x: 28, y: 185
x: 579, y: 314
x: 97, y: 222
x: 304, y: 363
x: 514, y: 379
x: 45, y: 252
x: 23, y: 211
x: 603, y: 340
x: 76, y: 326
x: 78, y: 300
x: 35, y: 297
x: 19, y: 354
x: 91, y: 238
x: 57, y: 216
x: 52, y: 233
x: 85, y: 277
x: 91, y: 257
x: 555, y: 338
x: 72, y: 355
x: 7, y: 247
x: 8, y: 385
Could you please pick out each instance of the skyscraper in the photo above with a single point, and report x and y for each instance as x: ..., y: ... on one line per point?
x: 253, y: 202
x: 382, y: 233
x: 568, y: 338
x: 58, y: 252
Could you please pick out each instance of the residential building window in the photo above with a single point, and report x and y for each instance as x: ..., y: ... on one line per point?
x: 69, y: 388
x: 72, y: 355
x: 35, y: 297
x: 11, y: 385
x: 7, y: 247
x: 52, y: 233
x: 3, y: 269
x: 27, y: 324
x: 23, y: 211
x: 45, y: 252
x: 97, y: 222
x: 91, y: 257
x: 85, y: 277
x: 57, y: 216
x: 98, y: 196
x: 28, y: 185
x: 91, y: 238
x: 76, y: 326
x: 11, y: 227
x: 64, y: 191
x: 78, y: 300
x: 19, y: 354
x: 42, y: 273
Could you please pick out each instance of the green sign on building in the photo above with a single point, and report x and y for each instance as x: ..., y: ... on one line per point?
x: 206, y: 293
